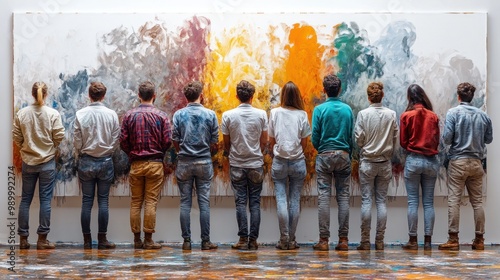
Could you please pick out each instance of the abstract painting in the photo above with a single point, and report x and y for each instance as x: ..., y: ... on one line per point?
x: 68, y: 51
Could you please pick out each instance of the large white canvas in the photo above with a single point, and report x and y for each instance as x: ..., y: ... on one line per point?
x: 66, y: 51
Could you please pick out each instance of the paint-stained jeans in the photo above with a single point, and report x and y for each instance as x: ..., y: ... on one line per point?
x: 195, y: 174
x: 146, y: 180
x: 45, y: 173
x: 374, y: 178
x: 288, y: 177
x: 467, y: 172
x: 247, y: 186
x: 333, y: 165
x: 95, y: 172
x: 420, y: 172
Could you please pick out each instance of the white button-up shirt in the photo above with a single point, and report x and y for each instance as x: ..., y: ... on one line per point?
x: 97, y: 130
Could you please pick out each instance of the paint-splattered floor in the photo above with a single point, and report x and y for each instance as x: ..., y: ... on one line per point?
x: 72, y: 262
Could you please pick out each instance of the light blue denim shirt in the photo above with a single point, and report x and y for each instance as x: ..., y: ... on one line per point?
x: 467, y: 129
x: 195, y: 128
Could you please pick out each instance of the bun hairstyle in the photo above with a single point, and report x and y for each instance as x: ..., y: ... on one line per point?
x: 193, y: 90
x: 466, y: 92
x: 375, y: 92
x: 39, y: 92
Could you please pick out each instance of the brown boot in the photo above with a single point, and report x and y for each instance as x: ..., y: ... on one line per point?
x: 138, y: 244
x: 478, y: 242
x: 103, y: 242
x: 87, y: 241
x: 252, y: 244
x: 43, y: 243
x: 23, y: 242
x: 379, y: 245
x: 427, y: 243
x: 149, y: 243
x: 452, y: 243
x: 322, y: 245
x: 412, y: 244
x: 242, y: 244
x: 364, y: 246
x: 292, y: 245
x: 342, y: 245
x: 207, y: 245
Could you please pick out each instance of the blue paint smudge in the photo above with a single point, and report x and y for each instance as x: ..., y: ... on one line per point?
x: 67, y: 100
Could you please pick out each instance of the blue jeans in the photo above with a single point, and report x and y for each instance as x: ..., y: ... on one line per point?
x: 292, y: 173
x: 45, y: 173
x: 247, y: 186
x: 420, y: 172
x: 94, y: 172
x: 199, y: 173
x: 333, y: 165
x: 374, y: 178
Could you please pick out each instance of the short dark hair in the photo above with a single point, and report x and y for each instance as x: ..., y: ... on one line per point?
x: 466, y: 92
x: 332, y: 85
x: 97, y: 91
x: 146, y: 90
x: 193, y: 90
x: 375, y: 92
x: 244, y: 91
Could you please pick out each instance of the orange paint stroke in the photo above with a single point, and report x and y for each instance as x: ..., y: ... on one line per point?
x: 305, y: 67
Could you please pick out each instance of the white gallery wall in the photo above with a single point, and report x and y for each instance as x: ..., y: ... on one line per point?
x: 66, y: 211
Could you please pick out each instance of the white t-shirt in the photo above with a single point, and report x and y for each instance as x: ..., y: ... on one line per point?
x: 244, y: 125
x: 288, y: 127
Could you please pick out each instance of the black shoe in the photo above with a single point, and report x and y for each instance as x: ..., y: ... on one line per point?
x: 186, y: 246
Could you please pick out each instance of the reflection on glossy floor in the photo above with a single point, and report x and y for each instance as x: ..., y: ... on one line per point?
x: 72, y: 262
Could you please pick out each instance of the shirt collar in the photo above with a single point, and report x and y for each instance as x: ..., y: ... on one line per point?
x: 377, y: 105
x: 246, y: 105
x: 465, y: 103
x: 97, y: 103
x: 332, y: 98
x: 194, y: 104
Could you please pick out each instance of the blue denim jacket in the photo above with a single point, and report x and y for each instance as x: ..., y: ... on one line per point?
x: 195, y: 128
x: 467, y: 129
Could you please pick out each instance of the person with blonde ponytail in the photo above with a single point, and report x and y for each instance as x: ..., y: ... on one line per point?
x: 37, y: 131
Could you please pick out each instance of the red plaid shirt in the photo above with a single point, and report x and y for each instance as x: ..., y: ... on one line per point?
x: 146, y: 133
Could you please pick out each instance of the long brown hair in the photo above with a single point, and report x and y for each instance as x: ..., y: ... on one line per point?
x: 39, y: 92
x: 416, y: 95
x: 290, y: 96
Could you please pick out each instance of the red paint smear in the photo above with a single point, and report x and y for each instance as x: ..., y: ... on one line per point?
x: 188, y: 61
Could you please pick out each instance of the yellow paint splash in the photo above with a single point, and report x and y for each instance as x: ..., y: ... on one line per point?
x: 240, y: 53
